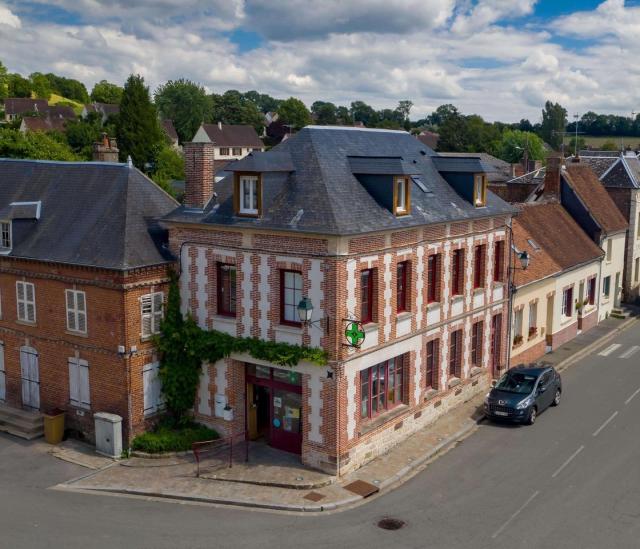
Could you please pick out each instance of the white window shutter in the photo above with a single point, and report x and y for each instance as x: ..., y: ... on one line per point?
x: 81, y: 322
x: 158, y: 387
x: 81, y: 306
x: 83, y: 370
x: 146, y: 314
x: 147, y: 387
x: 158, y: 301
x: 74, y: 389
x: 71, y: 317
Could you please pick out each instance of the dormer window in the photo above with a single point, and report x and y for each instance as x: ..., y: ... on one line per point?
x: 5, y: 236
x: 248, y: 195
x: 479, y: 190
x: 401, y: 198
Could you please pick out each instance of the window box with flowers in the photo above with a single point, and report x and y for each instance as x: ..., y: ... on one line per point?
x: 517, y: 340
x: 533, y: 332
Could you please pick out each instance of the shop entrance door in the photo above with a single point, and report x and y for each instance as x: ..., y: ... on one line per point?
x: 274, y: 398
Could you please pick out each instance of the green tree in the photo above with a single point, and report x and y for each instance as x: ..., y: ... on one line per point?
x: 609, y: 146
x: 82, y: 133
x: 581, y: 144
x: 106, y: 92
x: 344, y: 116
x: 40, y: 85
x: 4, y: 81
x: 264, y: 102
x: 361, y: 112
x: 185, y: 103
x: 232, y: 107
x: 326, y: 114
x: 169, y: 165
x: 554, y: 122
x: 453, y: 130
x: 19, y: 86
x: 441, y: 114
x: 138, y: 129
x: 294, y: 113
x: 68, y: 87
x: 38, y: 145
x: 515, y: 144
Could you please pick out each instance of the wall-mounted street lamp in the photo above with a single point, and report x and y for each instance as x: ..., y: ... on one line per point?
x: 305, y: 313
x: 524, y: 259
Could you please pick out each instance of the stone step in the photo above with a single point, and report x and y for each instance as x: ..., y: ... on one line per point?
x: 21, y: 423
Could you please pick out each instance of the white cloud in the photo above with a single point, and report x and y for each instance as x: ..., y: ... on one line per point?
x: 378, y: 51
x: 8, y: 18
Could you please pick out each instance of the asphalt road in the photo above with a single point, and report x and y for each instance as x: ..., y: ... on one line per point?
x: 570, y: 481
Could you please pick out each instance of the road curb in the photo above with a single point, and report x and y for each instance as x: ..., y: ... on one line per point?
x: 597, y: 343
x: 440, y: 447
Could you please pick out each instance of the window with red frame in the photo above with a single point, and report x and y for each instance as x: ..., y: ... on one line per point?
x: 402, y: 279
x: 479, y: 266
x: 455, y: 354
x: 433, y: 359
x: 226, y: 289
x: 433, y: 278
x: 591, y: 289
x: 381, y: 387
x: 567, y: 302
x: 476, y: 344
x: 498, y: 261
x: 457, y: 272
x: 496, y: 342
x: 366, y: 296
x: 290, y: 297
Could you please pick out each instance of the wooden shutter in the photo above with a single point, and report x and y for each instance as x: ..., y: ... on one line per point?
x: 81, y: 312
x: 83, y: 382
x: 74, y: 381
x: 159, y: 398
x: 158, y: 300
x: 3, y: 380
x: 147, y: 387
x: 22, y: 313
x: 146, y: 314
x: 71, y: 306
x: 31, y: 302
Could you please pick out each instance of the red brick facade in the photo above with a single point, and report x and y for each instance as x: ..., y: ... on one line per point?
x: 113, y: 314
x: 333, y: 432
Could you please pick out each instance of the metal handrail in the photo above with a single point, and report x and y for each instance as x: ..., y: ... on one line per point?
x: 198, y: 448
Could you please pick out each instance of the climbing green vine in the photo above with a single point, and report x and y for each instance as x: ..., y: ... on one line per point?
x: 183, y: 346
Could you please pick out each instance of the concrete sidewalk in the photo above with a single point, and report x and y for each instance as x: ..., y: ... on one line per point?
x: 289, y: 486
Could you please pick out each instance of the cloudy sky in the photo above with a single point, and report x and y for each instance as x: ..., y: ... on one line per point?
x: 497, y: 58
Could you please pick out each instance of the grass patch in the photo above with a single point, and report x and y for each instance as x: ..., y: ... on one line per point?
x: 596, y: 141
x: 167, y: 437
x: 54, y: 99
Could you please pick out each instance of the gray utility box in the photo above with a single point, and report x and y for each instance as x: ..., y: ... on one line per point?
x: 108, y: 434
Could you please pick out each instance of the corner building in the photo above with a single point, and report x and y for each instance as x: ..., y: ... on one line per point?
x: 374, y: 228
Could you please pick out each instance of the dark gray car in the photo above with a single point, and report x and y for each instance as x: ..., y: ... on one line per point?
x: 522, y: 393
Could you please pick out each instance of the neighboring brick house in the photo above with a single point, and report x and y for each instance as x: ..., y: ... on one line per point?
x: 556, y: 297
x: 372, y: 228
x: 105, y: 110
x: 576, y: 187
x: 83, y: 275
x: 15, y: 107
x: 231, y: 142
x: 171, y: 134
x: 620, y: 174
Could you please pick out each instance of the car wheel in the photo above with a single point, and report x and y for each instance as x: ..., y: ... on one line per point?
x: 556, y: 399
x: 533, y: 414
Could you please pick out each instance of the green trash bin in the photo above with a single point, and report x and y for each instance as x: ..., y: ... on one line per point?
x: 54, y: 427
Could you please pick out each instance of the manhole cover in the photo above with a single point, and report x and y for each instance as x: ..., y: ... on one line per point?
x: 390, y: 524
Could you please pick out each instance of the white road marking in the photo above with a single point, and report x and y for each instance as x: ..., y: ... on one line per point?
x: 631, y: 397
x: 571, y: 457
x: 597, y: 432
x: 632, y: 351
x: 610, y: 349
x: 501, y: 529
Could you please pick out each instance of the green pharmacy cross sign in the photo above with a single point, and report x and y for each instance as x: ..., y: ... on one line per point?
x: 354, y: 333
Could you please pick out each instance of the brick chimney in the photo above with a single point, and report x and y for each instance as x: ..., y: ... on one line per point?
x: 105, y: 150
x: 199, y: 173
x: 552, y: 178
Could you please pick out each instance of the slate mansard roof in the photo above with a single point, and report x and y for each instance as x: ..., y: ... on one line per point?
x: 96, y: 214
x: 322, y: 194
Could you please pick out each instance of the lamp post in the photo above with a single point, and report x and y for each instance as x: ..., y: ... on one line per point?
x: 524, y: 259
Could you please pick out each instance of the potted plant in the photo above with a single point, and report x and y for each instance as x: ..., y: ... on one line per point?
x: 533, y: 330
x: 517, y: 340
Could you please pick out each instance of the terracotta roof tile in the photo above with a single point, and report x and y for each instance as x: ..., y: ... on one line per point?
x: 553, y: 240
x: 595, y: 197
